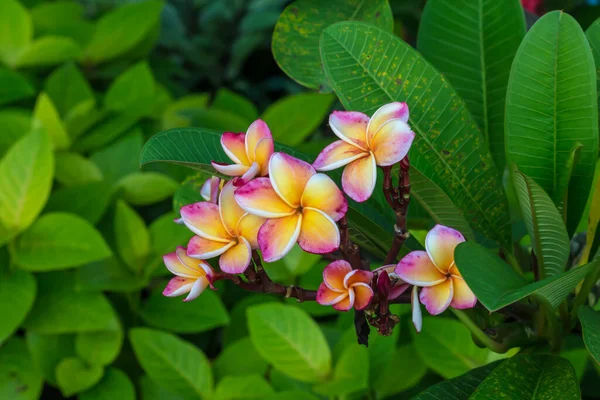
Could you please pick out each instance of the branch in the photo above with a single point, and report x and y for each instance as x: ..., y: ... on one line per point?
x: 349, y: 249
x: 398, y: 199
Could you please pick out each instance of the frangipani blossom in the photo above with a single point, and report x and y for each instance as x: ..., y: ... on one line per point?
x: 398, y: 286
x: 344, y: 287
x: 222, y: 230
x: 383, y: 140
x: 191, y: 276
x: 300, y: 204
x: 436, y: 272
x: 210, y: 189
x: 250, y: 152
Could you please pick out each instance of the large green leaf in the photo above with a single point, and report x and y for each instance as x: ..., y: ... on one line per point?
x: 100, y: 347
x: 473, y: 44
x: 132, y: 237
x: 20, y: 379
x: 115, y: 384
x: 17, y: 293
x: 551, y: 108
x: 67, y: 87
x: 290, y: 340
x: 89, y: 201
x: 368, y: 68
x: 350, y: 375
x: 144, y: 188
x: 173, y: 363
x: 49, y: 350
x: 297, y: 32
x: 74, y: 375
x: 49, y: 50
x: 73, y: 169
x: 386, y: 383
x: 120, y: 158
x: 229, y: 362
x: 16, y: 123
x: 534, y: 377
x: 46, y: 116
x: 544, y: 225
x: 132, y: 91
x: 497, y: 285
x: 16, y: 31
x: 593, y: 36
x: 590, y: 325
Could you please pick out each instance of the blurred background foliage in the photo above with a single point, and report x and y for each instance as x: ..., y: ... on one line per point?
x: 83, y: 229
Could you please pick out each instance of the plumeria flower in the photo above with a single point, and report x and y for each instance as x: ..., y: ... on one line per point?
x: 398, y: 286
x: 250, y: 152
x: 192, y: 276
x: 344, y: 287
x: 210, y: 189
x: 223, y: 230
x: 437, y: 273
x: 300, y: 204
x: 383, y: 140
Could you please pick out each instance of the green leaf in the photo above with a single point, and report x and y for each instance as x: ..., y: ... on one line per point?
x: 46, y: 117
x: 165, y: 236
x: 189, y: 191
x: 67, y: 87
x: 291, y: 395
x: 115, y: 384
x: 368, y: 68
x: 20, y: 379
x: 238, y: 328
x: 16, y: 31
x: 294, y: 118
x: 230, y: 363
x: 173, y: 363
x: 593, y: 36
x: 150, y: 390
x: 242, y: 387
x: 116, y: 161
x: 459, y: 388
x: 227, y: 100
x: 16, y: 123
x: 110, y: 274
x: 25, y: 180
x: 13, y: 87
x: 59, y: 308
x: 132, y: 237
x: 551, y: 107
x: 297, y: 33
x: 49, y: 50
x: 205, y: 313
x: 222, y: 120
x: 132, y: 91
x: 58, y: 241
x: 121, y: 30
x: 290, y: 340
x: 544, y: 225
x: 530, y: 377
x: 89, y: 201
x: 73, y: 169
x: 445, y: 345
x: 178, y: 114
x: 101, y: 347
x: 480, y: 268
x: 110, y: 129
x: 48, y: 350
x: 74, y: 376
x: 350, y: 375
x: 590, y: 325
x: 387, y: 383
x: 473, y: 44
x: 47, y: 17
x: 144, y: 188
x: 17, y: 293
x: 299, y: 262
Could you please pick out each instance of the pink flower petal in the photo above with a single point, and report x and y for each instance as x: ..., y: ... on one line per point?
x: 257, y: 131
x: 204, y: 249
x: 363, y: 294
x: 197, y: 288
x: 248, y: 228
x: 327, y: 297
x: 277, y: 236
x: 229, y: 210
x: 359, y: 177
x: 347, y: 303
x: 322, y: 193
x: 392, y: 142
x: 176, y: 267
x: 319, y: 233
x: 178, y: 286
x: 334, y: 274
x: 350, y: 126
x: 417, y: 269
x: 392, y: 111
x: 262, y: 154
x: 440, y: 243
x: 437, y: 298
x: 463, y: 296
x: 237, y: 258
x: 234, y: 146
x: 289, y: 177
x: 336, y: 155
x: 417, y: 316
x: 252, y: 172
x: 204, y: 220
x: 397, y: 290
x: 210, y: 189
x: 357, y: 275
x: 230, y: 170
x: 258, y: 197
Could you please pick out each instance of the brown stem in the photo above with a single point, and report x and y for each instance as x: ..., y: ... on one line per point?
x: 349, y: 249
x: 399, y: 199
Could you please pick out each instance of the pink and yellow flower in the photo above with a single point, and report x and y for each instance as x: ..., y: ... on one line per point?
x: 383, y: 140
x: 344, y: 287
x: 301, y: 206
x: 223, y: 230
x: 191, y: 276
x: 250, y: 152
x: 210, y: 189
x: 436, y: 272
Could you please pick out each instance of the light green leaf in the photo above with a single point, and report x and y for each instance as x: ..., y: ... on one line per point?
x: 238, y: 328
x: 290, y: 340
x: 49, y: 50
x: 294, y: 118
x: 20, y: 379
x: 25, y: 180
x: 298, y: 262
x: 173, y: 363
x: 239, y: 358
x: 89, y: 201
x: 189, y: 190
x: 132, y: 91
x: 73, y: 169
x: 368, y: 68
x: 593, y: 36
x: 101, y: 347
x: 299, y: 27
x: 48, y: 17
x: 473, y: 43
x: 17, y: 293
x: 122, y: 29
x: 82, y: 117
x: 221, y: 120
x: 445, y: 345
x: 590, y: 325
x: 530, y: 377
x: 144, y: 188
x: 165, y: 236
x: 150, y: 390
x: 16, y: 31
x: 115, y: 384
x: 205, y: 313
x: 67, y: 87
x: 497, y: 285
x: 110, y: 129
x: 387, y: 383
x: 227, y: 100
x: 16, y: 123
x: 544, y: 225
x: 49, y: 350
x: 350, y: 375
x: 46, y: 117
x: 551, y: 107
x: 178, y: 114
x: 13, y: 87
x: 132, y: 237
x: 120, y: 158
x: 58, y: 241
x: 74, y: 376
x: 243, y: 387
x: 110, y: 274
